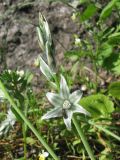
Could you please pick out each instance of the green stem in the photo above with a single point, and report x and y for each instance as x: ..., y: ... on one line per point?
x: 96, y: 73
x: 24, y: 138
x: 27, y: 122
x: 83, y: 138
x: 105, y: 130
x: 24, y: 127
x: 57, y: 82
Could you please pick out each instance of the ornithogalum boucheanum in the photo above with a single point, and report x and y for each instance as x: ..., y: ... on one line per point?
x: 65, y: 103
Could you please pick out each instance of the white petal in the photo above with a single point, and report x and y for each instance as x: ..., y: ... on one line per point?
x: 56, y: 112
x: 2, y: 96
x: 10, y: 116
x: 77, y: 108
x: 47, y: 29
x: 50, y: 56
x: 67, y: 120
x: 64, y: 90
x: 46, y: 154
x: 7, y: 123
x: 41, y: 42
x: 46, y: 70
x: 55, y: 99
x: 75, y: 96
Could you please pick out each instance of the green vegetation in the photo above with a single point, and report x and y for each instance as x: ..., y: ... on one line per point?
x: 84, y: 122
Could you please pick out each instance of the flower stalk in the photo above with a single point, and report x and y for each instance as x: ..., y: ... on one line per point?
x: 83, y: 138
x: 66, y: 104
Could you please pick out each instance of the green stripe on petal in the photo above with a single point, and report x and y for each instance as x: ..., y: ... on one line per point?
x: 75, y: 96
x: 79, y: 109
x: 56, y: 112
x: 67, y: 120
x: 46, y: 70
x: 40, y: 36
x: 50, y: 53
x: 55, y: 99
x: 64, y: 90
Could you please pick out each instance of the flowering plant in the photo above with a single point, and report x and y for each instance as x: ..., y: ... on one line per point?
x: 65, y: 104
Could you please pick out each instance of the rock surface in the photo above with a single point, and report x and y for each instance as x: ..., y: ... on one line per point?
x: 18, y: 37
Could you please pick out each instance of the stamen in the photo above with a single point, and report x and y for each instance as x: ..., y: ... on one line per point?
x: 66, y: 104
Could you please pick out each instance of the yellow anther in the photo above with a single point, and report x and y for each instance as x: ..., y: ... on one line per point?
x: 41, y: 157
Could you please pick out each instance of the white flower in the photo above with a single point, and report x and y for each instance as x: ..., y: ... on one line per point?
x: 7, y: 123
x: 65, y: 104
x: 73, y: 16
x: 43, y: 155
x: 2, y: 96
x: 9, y: 71
x: 77, y: 41
x: 20, y: 73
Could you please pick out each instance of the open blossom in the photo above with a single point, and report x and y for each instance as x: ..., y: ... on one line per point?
x: 43, y: 155
x: 7, y: 123
x: 65, y: 104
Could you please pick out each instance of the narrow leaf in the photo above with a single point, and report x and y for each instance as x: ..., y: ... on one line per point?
x: 107, y: 10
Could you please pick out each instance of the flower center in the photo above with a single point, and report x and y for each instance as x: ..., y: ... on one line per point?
x: 41, y: 157
x: 66, y: 104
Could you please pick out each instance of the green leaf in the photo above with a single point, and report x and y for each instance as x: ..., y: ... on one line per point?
x: 76, y: 142
x: 30, y: 140
x: 89, y: 12
x: 77, y: 54
x: 114, y: 38
x: 107, y: 10
x: 104, y: 52
x: 116, y: 68
x: 114, y: 89
x: 118, y: 5
x: 74, y: 69
x: 28, y: 77
x: 74, y: 53
x: 2, y: 116
x: 106, y: 155
x: 106, y: 49
x: 112, y: 63
x: 97, y: 105
x: 17, y: 115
